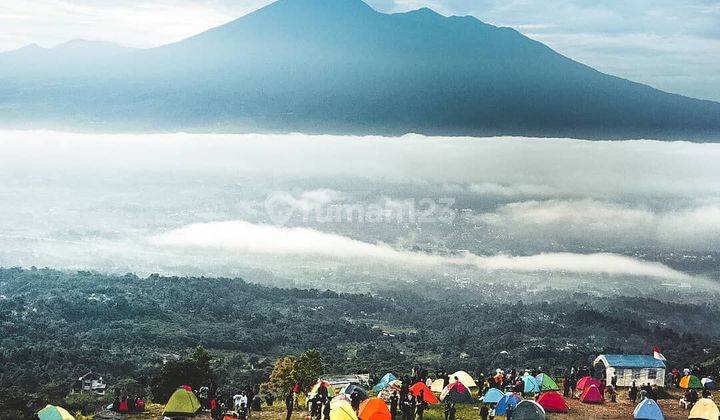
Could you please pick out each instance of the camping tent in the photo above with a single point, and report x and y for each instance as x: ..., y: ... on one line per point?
x: 708, y: 383
x: 53, y: 412
x: 648, y: 410
x: 528, y: 410
x: 314, y: 390
x: 586, y: 381
x: 182, y: 403
x: 546, y: 383
x: 690, y: 382
x: 508, y: 400
x: 384, y: 382
x: 591, y: 395
x: 438, y: 385
x: 464, y: 377
x: 341, y: 410
x: 428, y: 396
x: 531, y: 385
x: 374, y: 409
x: 492, y: 396
x: 704, y: 409
x: 350, y: 388
x: 552, y: 402
x: 456, y: 392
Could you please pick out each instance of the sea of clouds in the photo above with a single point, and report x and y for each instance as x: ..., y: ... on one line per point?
x: 199, y: 204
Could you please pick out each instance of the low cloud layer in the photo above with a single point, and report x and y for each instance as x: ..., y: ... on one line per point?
x: 247, y: 238
x: 599, y: 223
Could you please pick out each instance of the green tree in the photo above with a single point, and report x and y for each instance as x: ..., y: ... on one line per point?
x: 308, y: 368
x: 195, y: 371
x: 281, y: 378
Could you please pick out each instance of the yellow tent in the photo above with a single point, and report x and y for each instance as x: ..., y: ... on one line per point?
x: 341, y: 410
x: 437, y: 385
x: 464, y: 378
x: 704, y: 409
x: 52, y: 412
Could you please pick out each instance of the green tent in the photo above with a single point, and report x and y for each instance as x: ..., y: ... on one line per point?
x: 546, y: 383
x: 182, y: 403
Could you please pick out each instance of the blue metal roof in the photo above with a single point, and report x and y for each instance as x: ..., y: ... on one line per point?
x: 633, y: 361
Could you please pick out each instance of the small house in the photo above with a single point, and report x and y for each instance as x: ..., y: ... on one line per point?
x: 91, y: 382
x: 629, y: 368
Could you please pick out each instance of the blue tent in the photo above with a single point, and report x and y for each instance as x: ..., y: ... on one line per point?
x: 648, y: 410
x: 492, y: 396
x: 508, y: 400
x: 384, y: 382
x: 531, y: 385
x: 708, y: 383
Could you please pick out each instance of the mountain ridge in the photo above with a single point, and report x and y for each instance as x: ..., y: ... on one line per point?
x: 339, y: 66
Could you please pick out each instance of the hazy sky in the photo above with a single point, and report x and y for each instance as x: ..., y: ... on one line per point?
x: 670, y: 44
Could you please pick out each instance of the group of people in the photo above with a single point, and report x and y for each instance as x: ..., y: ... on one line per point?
x: 240, y: 404
x: 128, y: 404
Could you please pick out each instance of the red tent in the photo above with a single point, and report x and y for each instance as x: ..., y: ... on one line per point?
x: 591, y: 395
x: 428, y: 395
x: 586, y: 381
x: 552, y: 402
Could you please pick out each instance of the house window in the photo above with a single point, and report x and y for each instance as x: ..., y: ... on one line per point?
x: 652, y: 374
x: 636, y: 373
x: 620, y: 372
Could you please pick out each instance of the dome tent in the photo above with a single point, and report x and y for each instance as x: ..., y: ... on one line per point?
x: 704, y: 409
x: 530, y: 385
x: 708, y: 383
x: 648, y: 409
x: 374, y: 409
x: 182, y: 403
x: 586, y: 381
x: 546, y: 383
x: 552, y: 402
x: 350, y: 388
x: 53, y: 412
x: 458, y: 393
x: 316, y: 388
x: 492, y: 396
x: 428, y: 396
x: 591, y: 395
x: 438, y: 385
x: 463, y: 377
x: 508, y: 400
x: 690, y: 382
x: 528, y: 410
x: 341, y: 410
x: 384, y: 382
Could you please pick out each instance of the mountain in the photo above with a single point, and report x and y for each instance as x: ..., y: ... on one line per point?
x: 36, y: 61
x: 338, y: 66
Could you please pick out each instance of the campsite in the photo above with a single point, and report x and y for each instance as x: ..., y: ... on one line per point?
x: 500, y: 395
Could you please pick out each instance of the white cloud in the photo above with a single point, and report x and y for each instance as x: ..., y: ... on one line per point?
x: 601, y: 224
x: 248, y: 238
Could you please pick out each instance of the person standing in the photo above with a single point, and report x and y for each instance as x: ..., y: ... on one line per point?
x: 613, y: 380
x: 289, y: 404
x: 420, y: 405
x: 484, y: 412
x: 394, y: 399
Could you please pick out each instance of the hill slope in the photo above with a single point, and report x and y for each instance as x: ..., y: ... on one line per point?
x: 56, y: 326
x: 338, y: 66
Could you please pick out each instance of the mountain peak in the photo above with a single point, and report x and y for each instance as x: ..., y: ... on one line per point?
x: 319, y: 7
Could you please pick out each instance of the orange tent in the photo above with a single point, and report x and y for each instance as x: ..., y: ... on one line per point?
x: 374, y: 409
x: 428, y: 396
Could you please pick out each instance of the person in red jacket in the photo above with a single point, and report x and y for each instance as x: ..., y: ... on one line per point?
x: 123, y: 406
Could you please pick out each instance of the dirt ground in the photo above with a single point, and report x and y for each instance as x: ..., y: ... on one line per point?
x: 622, y: 409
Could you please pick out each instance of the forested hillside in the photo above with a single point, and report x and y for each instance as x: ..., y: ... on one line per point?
x: 56, y: 326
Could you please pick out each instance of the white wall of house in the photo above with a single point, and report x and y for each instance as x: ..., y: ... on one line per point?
x: 626, y: 376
